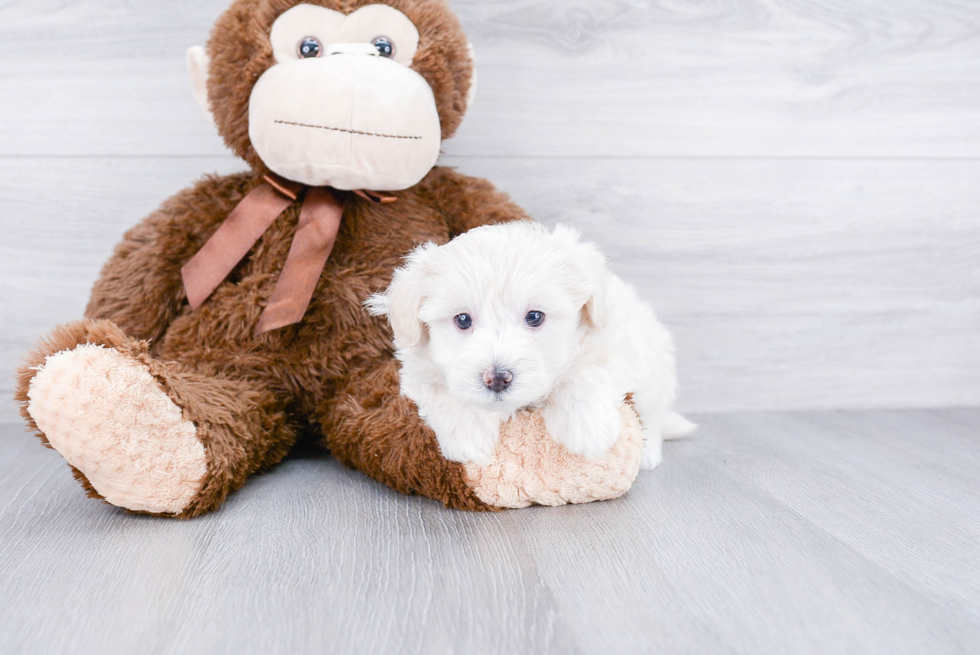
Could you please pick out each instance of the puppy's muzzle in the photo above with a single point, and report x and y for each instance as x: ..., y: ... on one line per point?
x: 497, y: 380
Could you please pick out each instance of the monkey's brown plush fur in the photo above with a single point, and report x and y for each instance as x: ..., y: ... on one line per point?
x: 332, y: 376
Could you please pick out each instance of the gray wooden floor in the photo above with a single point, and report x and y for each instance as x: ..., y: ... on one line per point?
x: 833, y: 532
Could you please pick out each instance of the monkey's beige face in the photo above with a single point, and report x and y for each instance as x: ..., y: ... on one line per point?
x: 341, y: 107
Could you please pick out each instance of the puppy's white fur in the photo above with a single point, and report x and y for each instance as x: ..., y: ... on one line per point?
x: 599, y: 341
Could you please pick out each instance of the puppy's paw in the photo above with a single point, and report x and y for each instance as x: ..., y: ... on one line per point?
x: 587, y: 430
x: 465, y: 449
x: 471, y: 438
x: 652, y: 449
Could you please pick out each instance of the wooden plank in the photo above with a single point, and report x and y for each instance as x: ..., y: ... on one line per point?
x: 576, y: 78
x: 61, y: 219
x: 788, y: 284
x: 804, y: 533
x: 717, y: 534
x: 313, y: 556
x: 87, y: 77
x: 891, y: 485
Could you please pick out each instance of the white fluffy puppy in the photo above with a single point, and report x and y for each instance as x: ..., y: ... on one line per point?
x: 512, y: 316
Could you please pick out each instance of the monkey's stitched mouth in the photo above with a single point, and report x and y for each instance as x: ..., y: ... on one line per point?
x: 340, y: 129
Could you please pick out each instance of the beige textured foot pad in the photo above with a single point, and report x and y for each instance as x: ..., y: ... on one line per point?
x: 109, y: 418
x: 531, y: 468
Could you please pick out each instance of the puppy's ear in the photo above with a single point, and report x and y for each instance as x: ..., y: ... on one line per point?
x: 591, y: 271
x: 596, y: 306
x: 405, y: 295
x: 377, y: 304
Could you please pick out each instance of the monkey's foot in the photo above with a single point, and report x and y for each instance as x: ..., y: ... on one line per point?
x: 531, y: 468
x: 110, y: 419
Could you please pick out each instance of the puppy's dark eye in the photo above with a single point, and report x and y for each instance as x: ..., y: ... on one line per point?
x: 310, y: 47
x: 384, y: 45
x: 534, y: 318
x: 464, y: 321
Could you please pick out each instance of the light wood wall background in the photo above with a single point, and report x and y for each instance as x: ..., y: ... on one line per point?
x: 794, y: 184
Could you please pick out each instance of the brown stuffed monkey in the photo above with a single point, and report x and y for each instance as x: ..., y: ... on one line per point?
x: 229, y: 323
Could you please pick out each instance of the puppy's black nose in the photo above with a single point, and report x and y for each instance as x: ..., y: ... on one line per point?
x: 497, y: 380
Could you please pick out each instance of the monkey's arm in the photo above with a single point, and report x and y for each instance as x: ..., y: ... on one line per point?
x: 468, y: 202
x: 140, y: 288
x: 370, y: 426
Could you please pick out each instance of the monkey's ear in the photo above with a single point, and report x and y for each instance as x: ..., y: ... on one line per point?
x: 197, y: 66
x: 471, y: 96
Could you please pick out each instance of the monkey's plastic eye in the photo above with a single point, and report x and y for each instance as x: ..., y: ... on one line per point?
x: 384, y: 45
x: 534, y: 319
x: 310, y: 47
x: 463, y: 321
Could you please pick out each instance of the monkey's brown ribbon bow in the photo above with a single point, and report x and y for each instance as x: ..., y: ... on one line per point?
x: 316, y: 233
